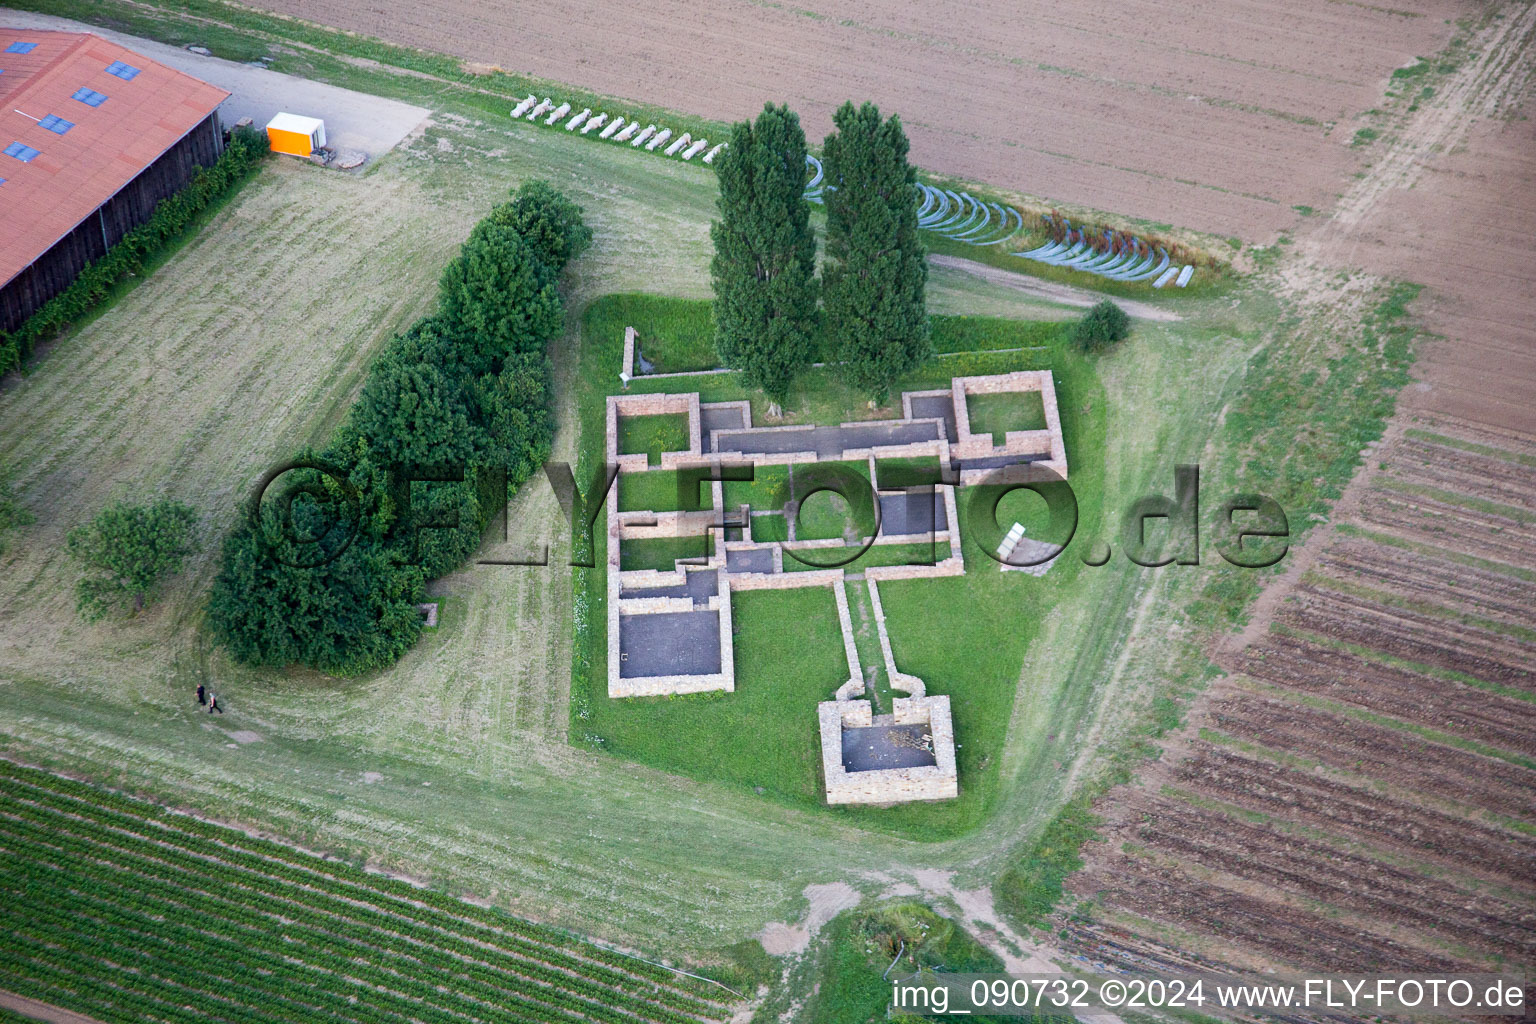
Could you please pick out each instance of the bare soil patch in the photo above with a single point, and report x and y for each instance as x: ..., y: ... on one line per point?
x: 1357, y: 795
x: 42, y: 1011
x: 1145, y: 109
x: 826, y: 902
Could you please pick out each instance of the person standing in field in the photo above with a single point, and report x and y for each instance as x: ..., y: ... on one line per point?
x: 213, y: 704
x: 200, y: 698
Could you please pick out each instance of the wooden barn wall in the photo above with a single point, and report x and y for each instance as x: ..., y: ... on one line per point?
x: 52, y: 272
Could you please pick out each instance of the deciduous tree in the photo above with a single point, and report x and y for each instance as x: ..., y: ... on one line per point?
x: 127, y: 550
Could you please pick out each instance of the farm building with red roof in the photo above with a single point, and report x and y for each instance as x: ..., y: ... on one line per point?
x: 92, y: 136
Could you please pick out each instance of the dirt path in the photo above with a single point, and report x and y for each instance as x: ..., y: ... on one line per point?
x: 42, y: 1011
x: 1065, y: 294
x: 826, y: 902
x: 1451, y: 205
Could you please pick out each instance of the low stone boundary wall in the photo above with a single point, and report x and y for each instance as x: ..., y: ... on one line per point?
x: 899, y: 680
x: 665, y: 524
x: 969, y: 445
x: 650, y: 405
x: 664, y: 686
x: 654, y: 605
x: 787, y: 580
x: 891, y: 785
x: 952, y: 566
x: 855, y: 683
x: 658, y: 686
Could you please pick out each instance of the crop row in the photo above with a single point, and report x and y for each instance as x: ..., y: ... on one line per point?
x: 161, y: 882
x: 154, y: 824
x: 409, y: 908
x: 142, y: 913
x: 178, y: 878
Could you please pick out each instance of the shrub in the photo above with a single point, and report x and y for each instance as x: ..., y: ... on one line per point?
x: 499, y: 297
x: 412, y: 412
x: 462, y: 399
x: 240, y: 159
x: 549, y: 222
x: 346, y: 616
x: 1102, y: 326
x: 127, y: 551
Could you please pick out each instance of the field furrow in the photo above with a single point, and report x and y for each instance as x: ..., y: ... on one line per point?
x: 1331, y: 806
x: 180, y: 919
x: 1387, y: 755
x: 1428, y: 581
x: 1384, y: 896
x: 1312, y: 668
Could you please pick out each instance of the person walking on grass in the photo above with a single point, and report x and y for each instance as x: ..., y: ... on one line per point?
x: 201, y: 699
x: 213, y: 704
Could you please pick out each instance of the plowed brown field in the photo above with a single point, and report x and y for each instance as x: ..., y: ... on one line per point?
x: 1219, y: 118
x: 1367, y: 774
x: 1360, y: 792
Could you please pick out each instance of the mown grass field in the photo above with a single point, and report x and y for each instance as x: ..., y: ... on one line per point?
x: 465, y: 765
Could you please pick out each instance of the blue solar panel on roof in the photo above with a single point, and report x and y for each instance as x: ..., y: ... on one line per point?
x: 90, y: 97
x: 124, y: 71
x: 56, y: 124
x: 21, y: 152
x: 20, y: 47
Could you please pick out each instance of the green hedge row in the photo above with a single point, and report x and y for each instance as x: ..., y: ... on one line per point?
x: 453, y: 414
x: 240, y: 159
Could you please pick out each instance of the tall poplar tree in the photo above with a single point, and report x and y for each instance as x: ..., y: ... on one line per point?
x: 765, y: 254
x: 875, y: 271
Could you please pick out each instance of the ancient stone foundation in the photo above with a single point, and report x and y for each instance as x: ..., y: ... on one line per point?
x: 937, y: 781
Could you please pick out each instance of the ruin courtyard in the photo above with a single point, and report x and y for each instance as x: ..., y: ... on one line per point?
x: 671, y: 570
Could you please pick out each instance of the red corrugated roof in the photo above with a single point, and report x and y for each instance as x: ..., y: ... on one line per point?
x: 74, y: 173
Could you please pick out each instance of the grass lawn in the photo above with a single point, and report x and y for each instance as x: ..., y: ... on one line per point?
x: 652, y: 435
x: 825, y: 514
x: 661, y: 552
x: 677, y: 335
x: 656, y: 491
x: 890, y: 473
x: 766, y: 491
x: 789, y: 655
x: 674, y: 335
x: 984, y: 333
x: 770, y: 527
x: 998, y: 414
